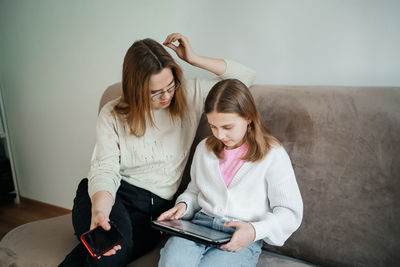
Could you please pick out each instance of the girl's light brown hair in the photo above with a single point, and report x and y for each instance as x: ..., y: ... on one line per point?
x: 143, y: 59
x: 232, y: 96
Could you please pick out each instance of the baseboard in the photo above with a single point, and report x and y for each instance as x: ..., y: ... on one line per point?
x: 47, y: 206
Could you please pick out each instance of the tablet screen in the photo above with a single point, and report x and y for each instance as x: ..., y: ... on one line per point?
x: 190, y: 228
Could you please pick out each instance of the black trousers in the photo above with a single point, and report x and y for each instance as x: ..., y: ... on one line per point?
x: 133, y: 210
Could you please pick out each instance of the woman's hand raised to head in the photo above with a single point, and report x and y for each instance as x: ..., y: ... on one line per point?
x: 183, y: 49
x: 173, y: 213
x: 185, y: 52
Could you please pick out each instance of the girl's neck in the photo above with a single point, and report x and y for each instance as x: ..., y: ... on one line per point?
x: 236, y: 146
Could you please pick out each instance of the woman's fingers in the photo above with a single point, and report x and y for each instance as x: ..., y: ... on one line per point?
x: 183, y: 49
x: 112, y: 251
x: 172, y: 38
x: 99, y: 219
x: 172, y: 46
x: 182, y: 40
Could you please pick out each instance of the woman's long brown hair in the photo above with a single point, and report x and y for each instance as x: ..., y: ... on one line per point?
x: 143, y: 59
x: 232, y: 96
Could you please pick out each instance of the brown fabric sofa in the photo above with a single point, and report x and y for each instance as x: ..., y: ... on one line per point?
x: 344, y: 143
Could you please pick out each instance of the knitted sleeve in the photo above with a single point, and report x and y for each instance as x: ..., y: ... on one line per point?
x: 201, y: 87
x: 105, y: 164
x: 286, y: 205
x: 190, y: 196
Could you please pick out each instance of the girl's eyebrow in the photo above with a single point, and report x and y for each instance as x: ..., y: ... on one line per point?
x: 155, y: 91
x: 222, y: 126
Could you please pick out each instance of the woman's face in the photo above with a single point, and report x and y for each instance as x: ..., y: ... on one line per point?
x: 162, y: 88
x: 230, y: 128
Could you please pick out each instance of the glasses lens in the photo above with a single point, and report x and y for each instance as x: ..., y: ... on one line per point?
x: 171, y: 90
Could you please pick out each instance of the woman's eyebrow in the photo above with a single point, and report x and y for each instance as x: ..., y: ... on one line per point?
x: 155, y: 91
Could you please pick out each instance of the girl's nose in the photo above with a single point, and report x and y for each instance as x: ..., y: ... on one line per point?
x: 220, y: 135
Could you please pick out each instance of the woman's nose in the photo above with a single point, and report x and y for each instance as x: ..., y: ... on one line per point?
x: 163, y: 95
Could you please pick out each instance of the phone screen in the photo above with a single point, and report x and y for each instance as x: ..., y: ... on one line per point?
x: 98, y: 241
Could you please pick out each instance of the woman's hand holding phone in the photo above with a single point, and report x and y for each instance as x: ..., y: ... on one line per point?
x: 102, y: 202
x: 99, y: 219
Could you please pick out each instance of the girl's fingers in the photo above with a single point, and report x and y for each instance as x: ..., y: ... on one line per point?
x: 232, y: 224
x: 161, y: 217
x: 179, y: 213
x: 167, y: 214
x: 230, y: 248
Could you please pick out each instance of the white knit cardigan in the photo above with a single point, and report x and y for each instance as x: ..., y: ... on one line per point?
x: 264, y: 193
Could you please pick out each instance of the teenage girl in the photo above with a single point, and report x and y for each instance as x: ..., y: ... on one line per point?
x: 242, y: 182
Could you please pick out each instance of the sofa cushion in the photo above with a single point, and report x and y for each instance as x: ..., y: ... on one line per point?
x: 38, y: 243
x: 47, y: 242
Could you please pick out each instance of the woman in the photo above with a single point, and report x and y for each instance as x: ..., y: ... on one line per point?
x: 142, y: 145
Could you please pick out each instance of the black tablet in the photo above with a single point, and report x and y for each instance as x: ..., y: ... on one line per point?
x: 194, y: 232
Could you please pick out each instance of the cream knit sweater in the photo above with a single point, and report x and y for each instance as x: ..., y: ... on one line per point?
x: 264, y: 193
x: 156, y: 160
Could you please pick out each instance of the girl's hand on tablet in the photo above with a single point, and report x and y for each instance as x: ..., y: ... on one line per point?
x: 243, y: 236
x: 173, y: 213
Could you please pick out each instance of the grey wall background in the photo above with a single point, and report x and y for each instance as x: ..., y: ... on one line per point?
x: 57, y: 58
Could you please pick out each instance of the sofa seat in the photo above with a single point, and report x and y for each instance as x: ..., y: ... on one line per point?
x: 47, y: 242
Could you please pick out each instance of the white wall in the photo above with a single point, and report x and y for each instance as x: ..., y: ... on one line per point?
x: 57, y: 57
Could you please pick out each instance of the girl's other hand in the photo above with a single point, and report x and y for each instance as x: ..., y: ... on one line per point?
x: 243, y: 236
x: 183, y: 50
x: 173, y: 213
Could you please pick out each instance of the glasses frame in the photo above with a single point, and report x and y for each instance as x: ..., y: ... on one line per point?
x: 157, y: 96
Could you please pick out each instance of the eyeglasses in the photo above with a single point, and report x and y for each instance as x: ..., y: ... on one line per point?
x: 156, y: 97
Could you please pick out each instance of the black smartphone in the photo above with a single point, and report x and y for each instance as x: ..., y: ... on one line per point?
x: 98, y: 241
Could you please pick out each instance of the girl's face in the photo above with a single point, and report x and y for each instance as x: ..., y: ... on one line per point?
x: 230, y: 128
x: 162, y: 88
